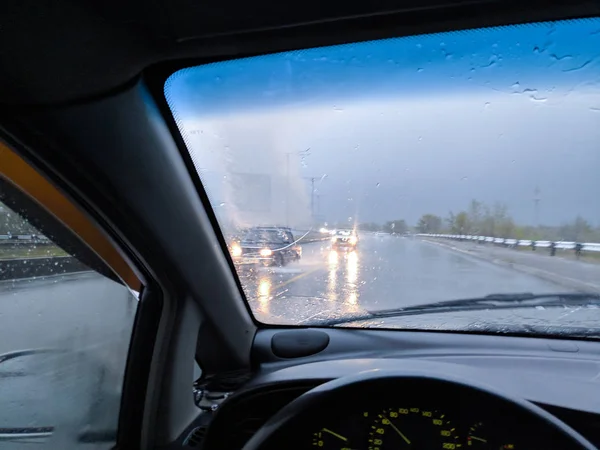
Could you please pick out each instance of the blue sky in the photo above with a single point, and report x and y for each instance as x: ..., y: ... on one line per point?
x: 400, y: 127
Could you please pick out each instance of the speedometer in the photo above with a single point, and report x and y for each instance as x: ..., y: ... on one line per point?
x: 412, y: 428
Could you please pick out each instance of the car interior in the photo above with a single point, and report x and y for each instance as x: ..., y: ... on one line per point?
x: 93, y: 156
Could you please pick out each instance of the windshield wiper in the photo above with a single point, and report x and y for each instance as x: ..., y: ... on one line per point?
x: 492, y: 301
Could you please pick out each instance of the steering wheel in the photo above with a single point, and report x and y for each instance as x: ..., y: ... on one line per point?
x: 282, y: 429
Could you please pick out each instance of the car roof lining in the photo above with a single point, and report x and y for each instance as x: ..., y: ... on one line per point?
x: 65, y: 50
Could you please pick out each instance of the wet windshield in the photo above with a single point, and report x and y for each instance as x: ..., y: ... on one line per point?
x: 263, y: 236
x: 459, y: 164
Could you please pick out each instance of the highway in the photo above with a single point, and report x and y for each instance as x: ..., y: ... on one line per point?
x: 384, y: 272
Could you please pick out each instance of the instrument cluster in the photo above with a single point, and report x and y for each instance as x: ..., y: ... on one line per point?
x: 409, y: 427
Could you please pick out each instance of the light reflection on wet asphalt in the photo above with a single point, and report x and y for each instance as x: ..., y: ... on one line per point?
x: 383, y: 272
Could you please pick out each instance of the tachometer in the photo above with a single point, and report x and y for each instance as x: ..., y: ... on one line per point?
x: 412, y: 428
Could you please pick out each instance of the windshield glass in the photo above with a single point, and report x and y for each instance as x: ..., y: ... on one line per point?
x: 462, y: 164
x: 263, y: 235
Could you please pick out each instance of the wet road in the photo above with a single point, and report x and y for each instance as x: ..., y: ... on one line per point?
x: 90, y: 319
x: 384, y: 272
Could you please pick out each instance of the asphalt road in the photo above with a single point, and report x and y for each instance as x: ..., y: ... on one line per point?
x: 384, y: 272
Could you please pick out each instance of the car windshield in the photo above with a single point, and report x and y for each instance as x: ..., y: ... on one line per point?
x: 263, y: 236
x: 466, y: 163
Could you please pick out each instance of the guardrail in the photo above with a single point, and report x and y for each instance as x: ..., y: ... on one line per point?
x: 14, y: 269
x: 577, y: 247
x: 21, y: 239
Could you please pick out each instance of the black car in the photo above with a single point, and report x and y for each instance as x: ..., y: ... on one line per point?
x: 269, y: 246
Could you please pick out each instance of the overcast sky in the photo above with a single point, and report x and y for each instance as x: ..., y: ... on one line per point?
x: 402, y: 127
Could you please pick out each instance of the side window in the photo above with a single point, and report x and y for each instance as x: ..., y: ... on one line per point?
x: 65, y: 328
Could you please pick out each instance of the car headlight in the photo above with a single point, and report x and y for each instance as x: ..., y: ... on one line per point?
x: 353, y: 240
x: 236, y: 250
x: 266, y: 252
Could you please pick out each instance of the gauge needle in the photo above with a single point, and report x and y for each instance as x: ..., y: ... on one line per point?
x: 333, y: 433
x: 399, y: 432
x: 478, y: 439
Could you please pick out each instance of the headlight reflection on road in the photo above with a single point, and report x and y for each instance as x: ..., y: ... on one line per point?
x: 332, y: 276
x: 352, y: 267
x: 351, y: 278
x: 333, y: 259
x: 264, y: 294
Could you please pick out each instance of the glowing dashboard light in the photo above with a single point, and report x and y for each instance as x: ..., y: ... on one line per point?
x: 236, y: 250
x: 266, y: 252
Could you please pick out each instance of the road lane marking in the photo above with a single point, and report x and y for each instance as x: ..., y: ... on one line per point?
x: 297, y: 277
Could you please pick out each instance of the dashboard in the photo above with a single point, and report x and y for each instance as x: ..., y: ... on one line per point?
x: 558, y: 377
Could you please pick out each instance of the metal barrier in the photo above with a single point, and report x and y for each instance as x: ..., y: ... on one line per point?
x: 577, y: 247
x: 22, y: 239
x: 14, y: 269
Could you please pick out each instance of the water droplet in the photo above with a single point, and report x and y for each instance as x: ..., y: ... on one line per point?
x: 420, y: 69
x: 337, y: 109
x: 378, y: 184
x: 464, y: 179
x: 513, y: 161
x: 555, y: 57
x: 516, y: 85
x: 487, y: 105
x: 222, y: 204
x: 595, y: 109
x: 420, y: 138
x: 538, y: 99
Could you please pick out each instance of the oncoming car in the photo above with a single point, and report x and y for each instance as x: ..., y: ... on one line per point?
x: 344, y: 240
x: 267, y: 246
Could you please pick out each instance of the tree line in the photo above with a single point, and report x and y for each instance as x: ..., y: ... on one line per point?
x: 481, y: 219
